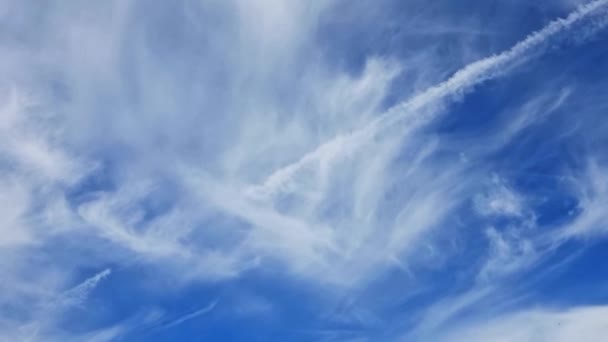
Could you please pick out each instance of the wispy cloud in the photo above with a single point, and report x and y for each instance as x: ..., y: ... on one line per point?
x: 584, y: 323
x: 190, y: 316
x: 79, y: 293
x: 462, y: 81
x: 215, y: 142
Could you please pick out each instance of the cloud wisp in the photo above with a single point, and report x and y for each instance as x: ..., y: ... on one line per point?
x: 216, y: 148
x: 462, y: 81
x: 190, y: 316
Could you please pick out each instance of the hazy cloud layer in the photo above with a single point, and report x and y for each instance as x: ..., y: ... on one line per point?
x: 403, y: 171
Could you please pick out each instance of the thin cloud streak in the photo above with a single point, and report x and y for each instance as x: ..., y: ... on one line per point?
x: 191, y: 315
x: 79, y: 293
x: 197, y: 152
x: 462, y: 81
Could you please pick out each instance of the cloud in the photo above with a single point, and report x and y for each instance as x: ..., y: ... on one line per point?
x: 581, y: 323
x: 500, y: 200
x: 591, y: 189
x: 461, y: 82
x: 41, y: 320
x: 285, y: 218
x: 209, y: 141
x: 78, y: 294
x: 190, y: 316
x: 509, y: 253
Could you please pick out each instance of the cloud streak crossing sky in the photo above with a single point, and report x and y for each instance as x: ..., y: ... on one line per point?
x: 304, y: 171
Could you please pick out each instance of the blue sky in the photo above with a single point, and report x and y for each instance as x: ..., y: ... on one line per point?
x: 290, y: 170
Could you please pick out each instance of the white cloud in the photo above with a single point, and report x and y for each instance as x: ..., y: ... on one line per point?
x: 47, y: 305
x: 509, y: 252
x: 79, y: 293
x: 322, y: 184
x: 499, y: 200
x: 195, y: 314
x: 576, y: 324
x: 461, y: 82
x: 591, y: 190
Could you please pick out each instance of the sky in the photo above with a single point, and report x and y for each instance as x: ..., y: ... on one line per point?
x: 304, y: 170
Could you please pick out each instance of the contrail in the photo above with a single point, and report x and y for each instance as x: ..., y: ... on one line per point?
x: 77, y: 295
x: 191, y: 315
x: 462, y: 81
